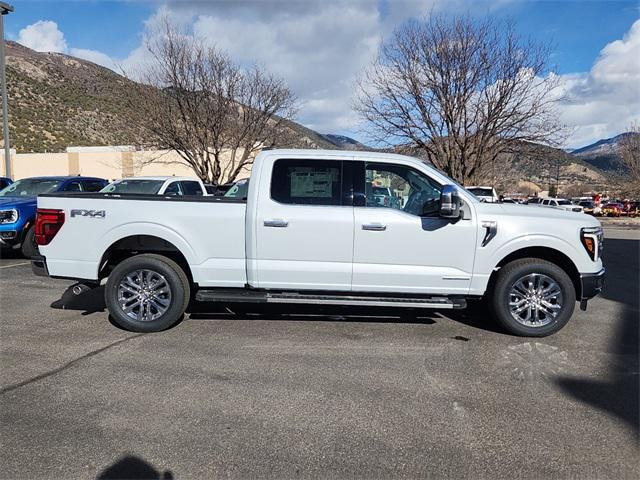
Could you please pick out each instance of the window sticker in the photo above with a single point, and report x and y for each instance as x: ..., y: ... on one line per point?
x: 310, y: 182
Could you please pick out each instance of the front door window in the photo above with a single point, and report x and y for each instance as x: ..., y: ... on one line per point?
x: 402, y: 188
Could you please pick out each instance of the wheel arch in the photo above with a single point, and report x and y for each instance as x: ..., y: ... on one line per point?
x: 138, y: 244
x: 544, y: 253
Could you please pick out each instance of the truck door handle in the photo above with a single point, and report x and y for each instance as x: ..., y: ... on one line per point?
x: 276, y: 222
x: 374, y: 227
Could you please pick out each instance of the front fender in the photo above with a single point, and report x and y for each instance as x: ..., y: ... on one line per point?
x: 489, y: 257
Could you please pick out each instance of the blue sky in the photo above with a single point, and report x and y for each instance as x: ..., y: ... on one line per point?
x: 321, y: 65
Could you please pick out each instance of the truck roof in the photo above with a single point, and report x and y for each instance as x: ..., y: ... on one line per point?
x: 356, y: 154
x: 311, y: 154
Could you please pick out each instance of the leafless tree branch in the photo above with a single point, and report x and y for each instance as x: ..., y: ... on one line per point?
x: 460, y: 91
x: 215, y: 114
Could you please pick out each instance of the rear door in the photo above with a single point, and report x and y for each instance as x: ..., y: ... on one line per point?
x: 403, y: 245
x: 304, y: 225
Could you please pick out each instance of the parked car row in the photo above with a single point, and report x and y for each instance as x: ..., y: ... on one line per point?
x: 18, y: 199
x: 580, y: 204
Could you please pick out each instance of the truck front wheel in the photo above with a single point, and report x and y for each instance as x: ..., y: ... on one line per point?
x: 532, y: 297
x: 147, y: 293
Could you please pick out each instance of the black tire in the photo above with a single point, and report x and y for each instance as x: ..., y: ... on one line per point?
x: 29, y: 246
x: 499, y: 297
x: 171, y: 273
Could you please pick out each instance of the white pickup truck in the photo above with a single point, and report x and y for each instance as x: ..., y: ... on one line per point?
x: 309, y: 233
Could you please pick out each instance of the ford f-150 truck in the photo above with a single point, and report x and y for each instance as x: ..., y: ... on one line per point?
x: 309, y: 233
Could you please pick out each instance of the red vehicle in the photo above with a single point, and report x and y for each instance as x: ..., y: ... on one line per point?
x: 612, y: 209
x: 633, y: 209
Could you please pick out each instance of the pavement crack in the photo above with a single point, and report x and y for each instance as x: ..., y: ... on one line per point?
x: 10, y: 388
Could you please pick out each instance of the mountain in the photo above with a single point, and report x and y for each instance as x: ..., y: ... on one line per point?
x: 344, y: 142
x: 56, y: 101
x: 604, y: 154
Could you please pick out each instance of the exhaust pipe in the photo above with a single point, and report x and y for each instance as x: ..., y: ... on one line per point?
x: 80, y: 288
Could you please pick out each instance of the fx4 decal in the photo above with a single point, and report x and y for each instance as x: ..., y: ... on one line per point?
x: 88, y: 213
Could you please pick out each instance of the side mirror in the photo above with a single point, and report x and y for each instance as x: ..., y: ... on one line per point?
x: 449, y: 202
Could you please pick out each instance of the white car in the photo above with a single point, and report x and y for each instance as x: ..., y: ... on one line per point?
x: 168, y: 185
x: 306, y: 233
x: 484, y: 194
x: 562, y: 204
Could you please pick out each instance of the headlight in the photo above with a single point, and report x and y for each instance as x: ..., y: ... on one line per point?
x: 592, y: 239
x: 9, y: 216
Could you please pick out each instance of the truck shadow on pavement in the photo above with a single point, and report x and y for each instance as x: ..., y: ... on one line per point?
x: 132, y: 467
x: 619, y: 395
x: 476, y: 316
x: 89, y: 301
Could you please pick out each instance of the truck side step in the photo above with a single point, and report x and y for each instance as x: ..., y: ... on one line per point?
x: 252, y: 296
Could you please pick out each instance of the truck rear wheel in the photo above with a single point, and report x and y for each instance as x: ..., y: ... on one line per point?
x: 147, y: 293
x: 532, y: 297
x: 29, y: 247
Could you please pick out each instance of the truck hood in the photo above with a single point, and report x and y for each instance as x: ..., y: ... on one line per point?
x: 17, y: 202
x: 541, y: 214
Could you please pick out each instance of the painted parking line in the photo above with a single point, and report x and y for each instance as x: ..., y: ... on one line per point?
x: 15, y: 265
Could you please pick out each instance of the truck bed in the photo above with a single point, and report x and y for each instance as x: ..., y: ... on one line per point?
x: 208, y: 231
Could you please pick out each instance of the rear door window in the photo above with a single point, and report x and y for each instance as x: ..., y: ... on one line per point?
x: 191, y: 188
x: 307, y: 182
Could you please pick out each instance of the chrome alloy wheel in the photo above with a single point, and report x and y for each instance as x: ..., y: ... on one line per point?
x: 144, y: 295
x: 535, y: 300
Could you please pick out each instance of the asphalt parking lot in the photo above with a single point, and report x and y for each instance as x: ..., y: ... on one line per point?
x: 280, y: 393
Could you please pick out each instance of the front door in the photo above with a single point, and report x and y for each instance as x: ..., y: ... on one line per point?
x: 400, y: 243
x: 304, y: 226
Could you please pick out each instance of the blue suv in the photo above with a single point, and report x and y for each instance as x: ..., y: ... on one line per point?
x: 18, y: 204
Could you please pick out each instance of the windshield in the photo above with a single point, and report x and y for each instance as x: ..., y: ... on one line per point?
x: 238, y: 190
x: 481, y: 192
x: 30, y: 187
x: 134, y: 186
x: 564, y: 202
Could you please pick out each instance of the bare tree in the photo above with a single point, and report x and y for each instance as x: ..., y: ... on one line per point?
x: 193, y: 99
x: 461, y: 91
x: 630, y: 155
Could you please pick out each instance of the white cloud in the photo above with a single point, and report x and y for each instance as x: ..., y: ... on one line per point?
x: 318, y: 52
x: 606, y: 100
x: 43, y: 36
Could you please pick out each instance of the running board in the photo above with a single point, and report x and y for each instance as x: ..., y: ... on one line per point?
x: 251, y: 296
